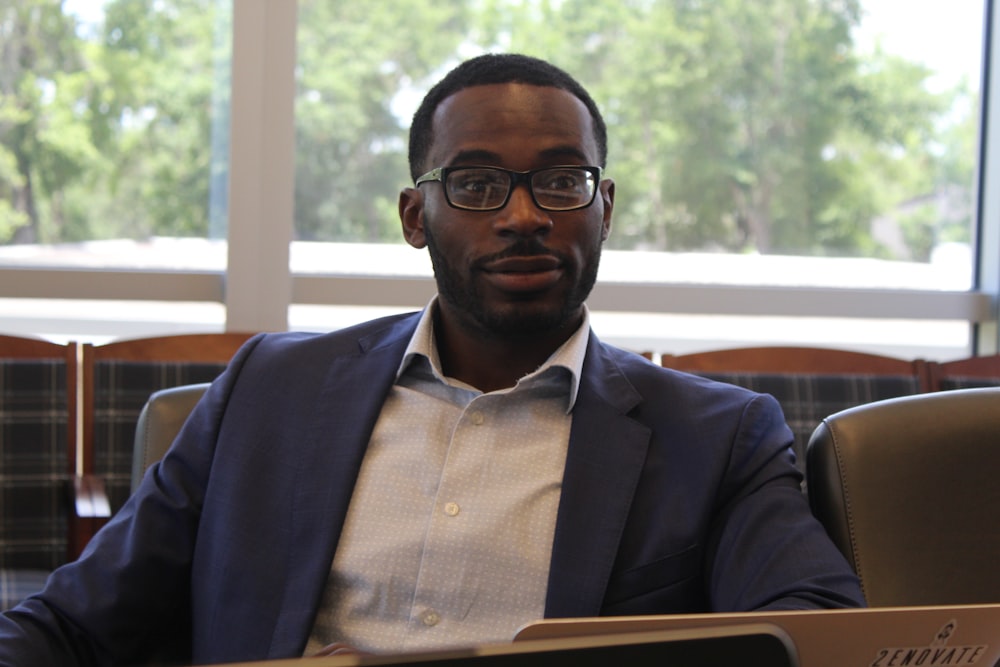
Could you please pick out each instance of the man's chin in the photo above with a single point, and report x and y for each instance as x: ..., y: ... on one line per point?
x: 523, y: 319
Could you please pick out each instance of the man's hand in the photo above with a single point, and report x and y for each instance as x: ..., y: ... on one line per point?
x: 337, y: 648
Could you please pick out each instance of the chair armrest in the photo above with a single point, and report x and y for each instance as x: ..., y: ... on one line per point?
x: 90, y: 498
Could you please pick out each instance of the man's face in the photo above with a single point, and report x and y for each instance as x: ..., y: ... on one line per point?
x: 519, y: 270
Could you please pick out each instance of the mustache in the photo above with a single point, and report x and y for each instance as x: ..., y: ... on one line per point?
x: 522, y: 248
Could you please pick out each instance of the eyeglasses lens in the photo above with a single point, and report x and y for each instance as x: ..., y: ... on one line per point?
x: 557, y: 189
x: 561, y: 189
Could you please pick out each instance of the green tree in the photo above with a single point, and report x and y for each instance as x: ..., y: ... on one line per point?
x: 155, y: 106
x: 734, y: 126
x: 957, y: 160
x: 43, y: 142
x: 358, y: 66
x: 739, y: 125
x: 108, y: 127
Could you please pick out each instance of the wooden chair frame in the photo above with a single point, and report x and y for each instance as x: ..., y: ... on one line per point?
x: 984, y: 367
x: 18, y: 347
x: 791, y: 359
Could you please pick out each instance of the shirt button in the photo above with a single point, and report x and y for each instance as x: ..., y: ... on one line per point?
x: 451, y: 509
x: 431, y: 618
x: 477, y: 418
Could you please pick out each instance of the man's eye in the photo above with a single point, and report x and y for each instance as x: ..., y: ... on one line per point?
x: 474, y: 184
x: 479, y: 183
x: 563, y: 182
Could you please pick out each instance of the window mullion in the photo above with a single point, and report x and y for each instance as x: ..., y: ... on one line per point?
x: 261, y: 166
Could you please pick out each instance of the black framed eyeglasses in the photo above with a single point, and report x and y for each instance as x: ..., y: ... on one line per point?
x: 562, y: 188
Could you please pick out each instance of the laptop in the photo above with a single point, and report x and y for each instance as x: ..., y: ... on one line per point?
x: 747, y: 645
x: 930, y: 636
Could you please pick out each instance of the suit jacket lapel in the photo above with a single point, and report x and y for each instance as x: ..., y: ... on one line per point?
x: 605, y: 458
x: 349, y: 405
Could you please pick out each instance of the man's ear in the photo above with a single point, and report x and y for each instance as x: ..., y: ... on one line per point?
x: 608, y: 198
x: 411, y: 216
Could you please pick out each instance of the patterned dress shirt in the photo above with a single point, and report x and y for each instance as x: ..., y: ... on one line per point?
x: 449, y: 532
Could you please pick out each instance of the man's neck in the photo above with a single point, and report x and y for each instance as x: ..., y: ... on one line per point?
x: 490, y: 362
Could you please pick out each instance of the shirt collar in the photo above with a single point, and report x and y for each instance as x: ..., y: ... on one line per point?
x: 569, y: 355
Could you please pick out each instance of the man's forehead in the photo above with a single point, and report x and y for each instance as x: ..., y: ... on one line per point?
x: 498, y: 114
x: 513, y: 95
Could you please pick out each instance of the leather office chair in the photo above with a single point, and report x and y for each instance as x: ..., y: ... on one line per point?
x: 908, y: 490
x: 159, y: 422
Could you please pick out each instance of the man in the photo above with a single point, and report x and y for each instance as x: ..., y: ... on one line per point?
x: 440, y: 479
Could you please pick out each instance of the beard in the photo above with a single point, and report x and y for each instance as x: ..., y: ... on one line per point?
x: 529, y: 318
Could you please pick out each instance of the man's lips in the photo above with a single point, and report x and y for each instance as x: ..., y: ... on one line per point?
x: 524, y: 274
x: 529, y: 264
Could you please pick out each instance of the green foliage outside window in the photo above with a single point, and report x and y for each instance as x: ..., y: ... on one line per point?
x: 734, y: 126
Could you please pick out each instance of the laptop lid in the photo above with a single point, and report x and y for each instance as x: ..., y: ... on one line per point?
x: 932, y: 636
x: 768, y: 645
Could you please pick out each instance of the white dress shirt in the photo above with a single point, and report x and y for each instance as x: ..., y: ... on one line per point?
x: 448, y: 535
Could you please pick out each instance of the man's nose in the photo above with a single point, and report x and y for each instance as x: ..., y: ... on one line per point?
x: 522, y: 216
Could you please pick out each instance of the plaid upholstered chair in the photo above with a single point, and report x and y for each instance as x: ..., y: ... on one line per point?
x: 809, y: 383
x: 37, y: 447
x: 982, y: 371
x: 118, y: 379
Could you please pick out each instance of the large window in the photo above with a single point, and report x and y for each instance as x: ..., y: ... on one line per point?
x: 787, y: 171
x: 115, y: 127
x: 113, y: 156
x: 787, y: 143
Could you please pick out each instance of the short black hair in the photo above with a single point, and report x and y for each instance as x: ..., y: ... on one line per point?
x: 489, y: 69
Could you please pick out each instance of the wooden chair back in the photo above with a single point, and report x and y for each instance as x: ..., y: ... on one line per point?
x: 810, y: 383
x: 118, y: 379
x: 971, y: 372
x: 38, y: 429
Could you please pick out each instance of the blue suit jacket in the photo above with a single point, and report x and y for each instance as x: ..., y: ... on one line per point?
x: 679, y: 495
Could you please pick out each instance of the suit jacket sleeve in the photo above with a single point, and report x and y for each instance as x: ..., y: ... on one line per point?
x: 221, y: 554
x: 766, y: 550
x: 130, y: 586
